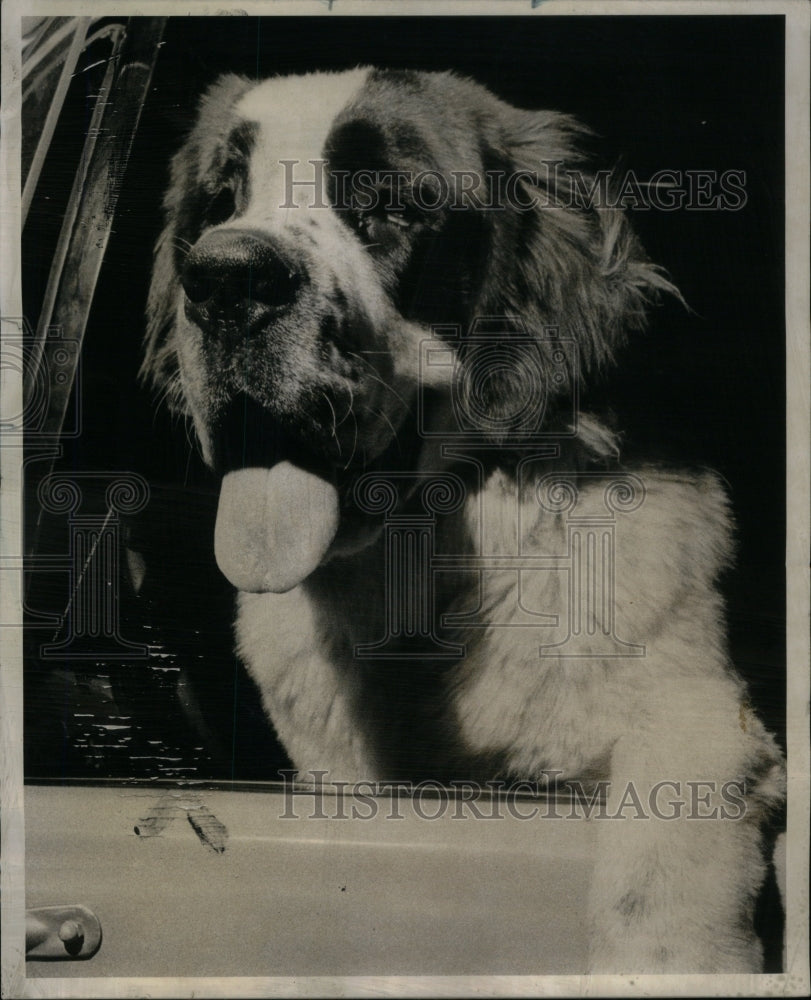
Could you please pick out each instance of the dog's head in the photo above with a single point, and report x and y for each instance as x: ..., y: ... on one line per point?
x: 319, y: 230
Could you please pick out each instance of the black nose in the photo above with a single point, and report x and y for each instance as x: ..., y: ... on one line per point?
x: 237, y: 270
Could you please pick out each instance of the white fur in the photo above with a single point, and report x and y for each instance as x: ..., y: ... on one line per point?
x: 668, y: 895
x: 294, y: 114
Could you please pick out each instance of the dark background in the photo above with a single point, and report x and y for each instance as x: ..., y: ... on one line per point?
x: 701, y: 387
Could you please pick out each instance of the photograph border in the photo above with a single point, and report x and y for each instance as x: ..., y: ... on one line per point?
x: 795, y: 980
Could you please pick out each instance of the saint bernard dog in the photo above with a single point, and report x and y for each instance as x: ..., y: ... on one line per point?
x: 378, y: 297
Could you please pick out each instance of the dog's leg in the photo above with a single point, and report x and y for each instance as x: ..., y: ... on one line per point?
x: 680, y: 858
x: 311, y: 695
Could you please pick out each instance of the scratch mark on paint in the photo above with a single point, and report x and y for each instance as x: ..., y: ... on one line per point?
x: 208, y: 828
x: 211, y: 833
x: 157, y: 819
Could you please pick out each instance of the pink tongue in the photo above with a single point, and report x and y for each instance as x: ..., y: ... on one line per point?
x: 274, y: 526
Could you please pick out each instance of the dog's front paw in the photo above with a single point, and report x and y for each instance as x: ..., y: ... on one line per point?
x: 624, y: 949
x: 660, y: 925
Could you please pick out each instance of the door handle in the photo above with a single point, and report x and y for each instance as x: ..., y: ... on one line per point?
x: 61, y: 932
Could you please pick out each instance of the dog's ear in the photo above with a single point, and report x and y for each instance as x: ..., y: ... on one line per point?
x: 159, y: 364
x: 181, y: 205
x: 565, y: 262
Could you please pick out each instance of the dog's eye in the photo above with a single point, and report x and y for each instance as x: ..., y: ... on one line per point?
x: 398, y: 219
x: 221, y: 207
x: 374, y: 224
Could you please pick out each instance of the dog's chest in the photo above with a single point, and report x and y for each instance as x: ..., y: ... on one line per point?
x: 338, y: 663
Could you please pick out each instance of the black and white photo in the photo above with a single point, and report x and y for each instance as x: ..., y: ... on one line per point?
x: 405, y: 434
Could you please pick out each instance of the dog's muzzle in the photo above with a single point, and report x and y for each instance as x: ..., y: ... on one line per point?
x: 274, y: 524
